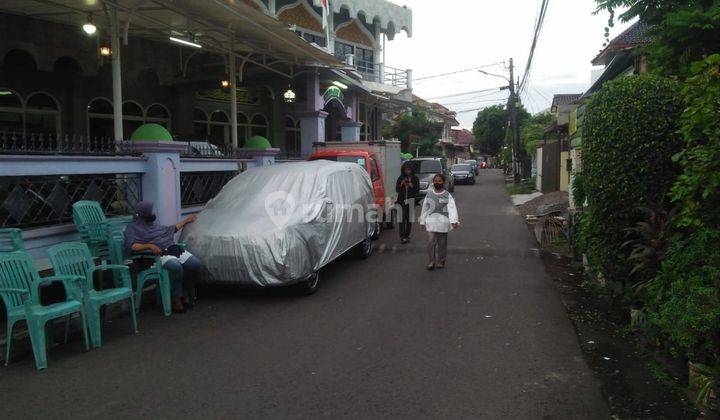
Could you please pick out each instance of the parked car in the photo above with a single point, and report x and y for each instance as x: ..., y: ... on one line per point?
x: 463, y: 173
x: 280, y: 225
x: 474, y: 165
x: 383, y: 174
x: 426, y: 168
x: 203, y: 149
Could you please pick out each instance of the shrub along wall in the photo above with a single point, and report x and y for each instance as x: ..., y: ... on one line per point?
x: 629, y: 139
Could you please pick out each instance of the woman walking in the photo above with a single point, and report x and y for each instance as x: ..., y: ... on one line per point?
x: 407, y: 186
x: 439, y: 215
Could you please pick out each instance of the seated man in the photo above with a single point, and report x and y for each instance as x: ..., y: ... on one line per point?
x: 144, y: 234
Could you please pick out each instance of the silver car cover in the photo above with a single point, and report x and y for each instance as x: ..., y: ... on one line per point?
x: 276, y: 225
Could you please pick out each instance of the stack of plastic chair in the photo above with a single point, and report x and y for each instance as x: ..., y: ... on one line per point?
x: 19, y: 290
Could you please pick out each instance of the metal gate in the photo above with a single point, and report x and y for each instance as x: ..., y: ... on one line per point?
x: 551, y: 167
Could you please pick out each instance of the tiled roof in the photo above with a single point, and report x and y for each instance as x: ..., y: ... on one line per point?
x: 565, y: 99
x: 462, y: 137
x: 632, y: 37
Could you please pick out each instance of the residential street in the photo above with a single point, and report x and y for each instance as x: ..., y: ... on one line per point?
x: 487, y: 337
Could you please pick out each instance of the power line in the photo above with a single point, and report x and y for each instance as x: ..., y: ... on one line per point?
x: 538, y: 28
x: 475, y: 101
x: 462, y: 111
x: 465, y: 93
x: 456, y: 72
x: 475, y: 98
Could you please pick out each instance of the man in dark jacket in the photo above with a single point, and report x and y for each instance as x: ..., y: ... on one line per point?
x: 407, y: 187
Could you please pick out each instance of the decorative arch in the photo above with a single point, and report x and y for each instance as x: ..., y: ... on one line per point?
x: 67, y: 66
x: 100, y: 118
x: 355, y: 32
x: 200, y: 124
x: 12, y: 116
x: 292, y: 136
x: 302, y: 15
x: 159, y: 114
x: 259, y: 125
x: 19, y: 61
x: 42, y: 114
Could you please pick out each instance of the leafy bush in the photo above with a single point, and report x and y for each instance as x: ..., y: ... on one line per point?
x: 698, y: 188
x: 629, y: 138
x: 684, y: 303
x: 579, y: 191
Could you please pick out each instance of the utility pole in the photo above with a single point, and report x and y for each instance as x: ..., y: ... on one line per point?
x: 512, y: 119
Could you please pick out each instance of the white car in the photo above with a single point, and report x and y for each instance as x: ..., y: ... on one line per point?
x: 279, y: 225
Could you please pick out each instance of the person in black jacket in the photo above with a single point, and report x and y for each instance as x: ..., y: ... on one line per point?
x: 407, y: 187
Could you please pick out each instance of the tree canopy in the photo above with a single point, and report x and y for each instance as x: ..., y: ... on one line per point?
x: 683, y: 31
x: 489, y: 129
x: 417, y: 130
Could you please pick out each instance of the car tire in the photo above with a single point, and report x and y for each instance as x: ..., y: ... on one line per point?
x: 376, y: 231
x: 311, y: 285
x: 364, y: 249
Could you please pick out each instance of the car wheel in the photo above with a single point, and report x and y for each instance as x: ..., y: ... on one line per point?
x: 364, y: 248
x: 376, y: 231
x: 311, y: 285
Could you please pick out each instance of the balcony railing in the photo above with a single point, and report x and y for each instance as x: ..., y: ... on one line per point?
x: 380, y: 73
x: 52, y: 144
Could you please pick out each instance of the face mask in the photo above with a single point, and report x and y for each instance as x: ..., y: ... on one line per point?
x: 438, y: 186
x: 151, y: 218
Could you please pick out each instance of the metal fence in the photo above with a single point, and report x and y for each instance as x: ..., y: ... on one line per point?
x: 47, y: 200
x: 197, y: 188
x: 41, y: 143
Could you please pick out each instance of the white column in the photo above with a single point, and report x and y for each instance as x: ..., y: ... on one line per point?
x: 116, y: 75
x: 330, y: 30
x: 378, y: 54
x: 233, y: 102
x: 272, y: 10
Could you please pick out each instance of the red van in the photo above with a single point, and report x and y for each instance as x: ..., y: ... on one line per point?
x: 367, y: 160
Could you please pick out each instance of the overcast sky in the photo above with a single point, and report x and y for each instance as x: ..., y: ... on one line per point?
x: 452, y: 35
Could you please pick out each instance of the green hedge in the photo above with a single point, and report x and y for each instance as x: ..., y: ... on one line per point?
x: 629, y: 139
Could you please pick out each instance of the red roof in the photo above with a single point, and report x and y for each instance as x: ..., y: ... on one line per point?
x: 462, y: 137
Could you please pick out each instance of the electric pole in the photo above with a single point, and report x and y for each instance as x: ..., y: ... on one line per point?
x: 512, y: 120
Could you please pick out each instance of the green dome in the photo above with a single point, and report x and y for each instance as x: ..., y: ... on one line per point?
x: 258, y: 142
x: 151, y: 132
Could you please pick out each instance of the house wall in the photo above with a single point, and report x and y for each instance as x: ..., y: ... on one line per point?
x: 564, y: 173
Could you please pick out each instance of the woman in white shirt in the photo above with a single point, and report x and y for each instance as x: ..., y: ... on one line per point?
x: 439, y: 215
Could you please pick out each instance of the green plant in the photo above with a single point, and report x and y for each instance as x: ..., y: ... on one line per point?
x: 683, y: 299
x: 630, y: 135
x: 698, y: 187
x: 648, y: 241
x: 579, y: 190
x: 708, y: 382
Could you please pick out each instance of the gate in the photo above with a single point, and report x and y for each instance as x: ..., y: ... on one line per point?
x: 550, y: 167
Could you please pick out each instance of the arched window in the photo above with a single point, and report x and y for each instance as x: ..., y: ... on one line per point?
x: 132, y: 117
x: 100, y: 118
x: 67, y: 66
x: 200, y: 124
x: 158, y: 114
x: 42, y: 115
x: 243, y: 128
x: 219, y: 128
x: 12, y: 119
x: 292, y: 136
x: 259, y: 126
x: 19, y: 62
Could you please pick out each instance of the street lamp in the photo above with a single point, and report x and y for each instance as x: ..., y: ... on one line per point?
x: 89, y: 27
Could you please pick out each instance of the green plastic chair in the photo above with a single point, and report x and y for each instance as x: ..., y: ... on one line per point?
x: 11, y: 240
x: 154, y: 273
x: 93, y: 227
x: 74, y: 259
x: 19, y: 289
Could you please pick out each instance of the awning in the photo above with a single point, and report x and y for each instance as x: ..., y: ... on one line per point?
x: 218, y: 25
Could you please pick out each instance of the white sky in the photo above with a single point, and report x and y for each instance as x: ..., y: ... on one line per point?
x: 452, y: 35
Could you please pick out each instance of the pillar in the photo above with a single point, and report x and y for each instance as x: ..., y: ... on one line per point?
x: 116, y: 75
x: 350, y: 130
x: 161, y: 179
x: 233, y: 103
x: 312, y: 130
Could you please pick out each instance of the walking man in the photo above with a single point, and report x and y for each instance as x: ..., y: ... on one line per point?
x: 438, y: 215
x: 407, y: 187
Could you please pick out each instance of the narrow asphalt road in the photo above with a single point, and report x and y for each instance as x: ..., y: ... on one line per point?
x: 486, y: 338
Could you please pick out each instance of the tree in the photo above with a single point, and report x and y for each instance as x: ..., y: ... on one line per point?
x: 683, y: 31
x: 532, y: 132
x: 489, y: 129
x: 417, y: 134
